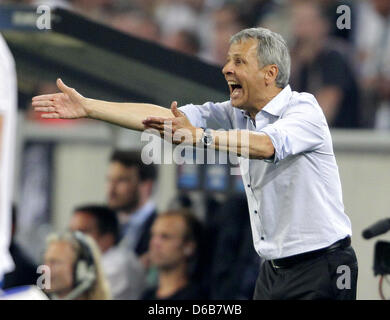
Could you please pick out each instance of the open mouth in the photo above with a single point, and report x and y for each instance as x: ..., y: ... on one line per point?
x: 235, y: 89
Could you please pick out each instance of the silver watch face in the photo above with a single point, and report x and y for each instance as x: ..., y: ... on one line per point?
x: 207, y: 138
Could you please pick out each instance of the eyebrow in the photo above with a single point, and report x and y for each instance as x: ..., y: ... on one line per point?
x: 236, y: 55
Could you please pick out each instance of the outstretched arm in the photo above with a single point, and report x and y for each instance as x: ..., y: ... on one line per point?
x: 69, y: 104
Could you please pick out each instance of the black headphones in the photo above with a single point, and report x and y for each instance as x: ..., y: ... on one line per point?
x: 84, y: 266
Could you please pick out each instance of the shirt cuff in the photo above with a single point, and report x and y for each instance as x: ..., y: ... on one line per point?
x: 193, y: 115
x: 272, y: 134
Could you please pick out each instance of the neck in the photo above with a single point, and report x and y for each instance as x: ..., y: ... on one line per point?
x: 142, y: 202
x: 104, y: 247
x: 129, y: 212
x: 82, y: 297
x: 61, y: 294
x: 124, y: 215
x: 170, y: 281
x: 271, y: 93
x: 384, y: 14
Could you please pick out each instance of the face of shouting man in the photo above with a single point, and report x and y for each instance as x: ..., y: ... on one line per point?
x: 247, y: 80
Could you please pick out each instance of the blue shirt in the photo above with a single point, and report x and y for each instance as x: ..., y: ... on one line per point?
x: 295, y: 200
x: 132, y: 229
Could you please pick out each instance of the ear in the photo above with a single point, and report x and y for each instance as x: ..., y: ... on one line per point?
x: 189, y: 249
x: 326, y: 26
x: 270, y: 73
x: 146, y: 187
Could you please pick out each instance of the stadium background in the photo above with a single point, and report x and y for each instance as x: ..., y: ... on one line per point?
x: 62, y: 164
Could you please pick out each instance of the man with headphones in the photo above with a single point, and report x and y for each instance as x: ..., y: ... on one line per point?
x: 75, y: 269
x: 173, y: 250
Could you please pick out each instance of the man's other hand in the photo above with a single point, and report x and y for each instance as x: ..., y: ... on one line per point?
x: 68, y: 104
x: 177, y: 129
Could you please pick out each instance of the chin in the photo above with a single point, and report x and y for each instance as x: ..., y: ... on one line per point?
x: 239, y: 104
x: 236, y: 103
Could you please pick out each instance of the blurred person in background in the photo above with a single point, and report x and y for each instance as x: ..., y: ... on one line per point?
x: 226, y: 22
x: 373, y: 44
x: 51, y: 3
x: 183, y: 41
x: 330, y: 11
x: 8, y: 113
x: 130, y: 185
x: 322, y: 66
x: 25, y: 272
x: 193, y: 16
x: 146, y: 6
x: 253, y: 11
x: 278, y: 18
x: 124, y: 272
x: 93, y: 9
x: 135, y: 23
x: 176, y: 15
x: 75, y: 268
x: 175, y: 239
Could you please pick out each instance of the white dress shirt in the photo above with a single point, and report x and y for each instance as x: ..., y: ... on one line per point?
x: 295, y: 200
x: 124, y: 272
x: 8, y: 107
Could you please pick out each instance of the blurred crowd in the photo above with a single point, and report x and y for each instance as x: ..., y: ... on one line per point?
x: 339, y: 54
x: 123, y: 248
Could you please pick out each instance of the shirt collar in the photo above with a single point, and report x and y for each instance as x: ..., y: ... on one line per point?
x: 142, y: 214
x: 276, y: 105
x: 279, y: 102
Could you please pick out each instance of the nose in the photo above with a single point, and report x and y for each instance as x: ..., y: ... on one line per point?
x: 228, y: 69
x: 152, y: 241
x: 156, y: 241
x: 110, y: 187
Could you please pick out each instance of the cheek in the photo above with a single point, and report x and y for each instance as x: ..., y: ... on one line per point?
x: 122, y: 189
x: 68, y: 276
x: 95, y: 236
x: 62, y: 275
x: 109, y: 186
x: 177, y: 250
x: 166, y: 249
x: 156, y: 244
x: 128, y: 187
x: 255, y: 84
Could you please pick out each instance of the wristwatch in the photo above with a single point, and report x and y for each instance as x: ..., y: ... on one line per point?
x: 207, y: 137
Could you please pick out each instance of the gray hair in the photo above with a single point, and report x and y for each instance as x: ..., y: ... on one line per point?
x: 271, y: 49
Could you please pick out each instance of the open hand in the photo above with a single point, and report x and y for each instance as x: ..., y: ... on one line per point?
x: 68, y: 104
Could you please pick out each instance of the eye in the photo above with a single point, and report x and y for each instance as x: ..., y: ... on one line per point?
x: 166, y: 236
